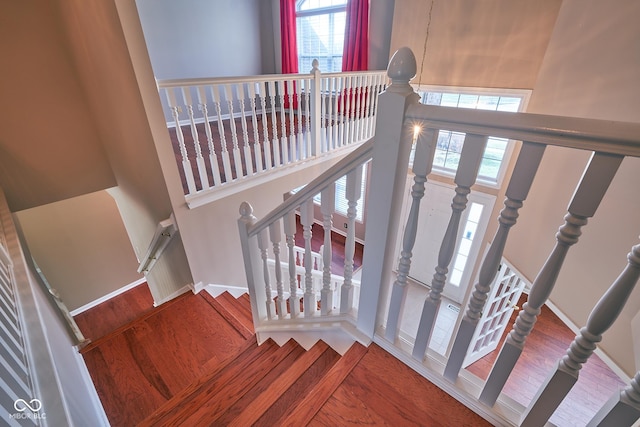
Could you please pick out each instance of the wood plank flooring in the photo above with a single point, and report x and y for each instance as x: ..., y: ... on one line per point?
x: 548, y: 343
x: 187, y: 365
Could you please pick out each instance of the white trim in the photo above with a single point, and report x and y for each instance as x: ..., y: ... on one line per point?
x: 196, y: 287
x: 93, y: 394
x: 215, y: 290
x: 601, y: 354
x: 187, y: 122
x: 107, y: 297
x: 182, y: 290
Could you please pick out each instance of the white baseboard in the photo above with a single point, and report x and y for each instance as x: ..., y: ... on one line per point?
x: 197, y: 287
x: 182, y: 290
x: 108, y: 296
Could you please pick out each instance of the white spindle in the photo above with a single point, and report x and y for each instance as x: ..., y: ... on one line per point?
x: 237, y: 160
x: 327, y: 207
x: 292, y: 89
x: 276, y: 236
x: 357, y: 112
x: 307, y: 110
x: 275, y: 144
x: 186, y: 164
x: 591, y: 189
x: 300, y: 144
x: 283, y: 122
x: 290, y: 233
x: 326, y: 84
x: 372, y: 95
x: 323, y: 114
x: 248, y: 161
x: 346, y: 113
x: 257, y: 150
x: 341, y: 108
x: 606, y: 311
x: 263, y: 245
x: 213, y: 157
x: 306, y: 219
x: 202, y: 170
x: 226, y: 161
x: 422, y: 163
x: 470, y: 160
x: 519, y: 185
x: 622, y: 410
x: 353, y: 192
x: 265, y: 127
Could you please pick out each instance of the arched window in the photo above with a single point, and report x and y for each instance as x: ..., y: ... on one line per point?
x: 320, y: 33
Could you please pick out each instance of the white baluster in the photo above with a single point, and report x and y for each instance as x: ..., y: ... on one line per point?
x: 202, y: 170
x: 324, y: 145
x: 291, y: 88
x: 335, y: 118
x: 307, y: 111
x: 306, y: 219
x: 357, y: 112
x: 373, y: 95
x: 590, y: 191
x: 186, y: 164
x: 248, y: 161
x: 276, y: 236
x: 226, y: 161
x: 283, y: 123
x: 275, y: 142
x: 622, y: 410
x: 606, y: 311
x: 422, y: 163
x: 263, y: 245
x: 353, y: 192
x: 374, y: 104
x: 300, y: 137
x: 290, y: 233
x: 257, y: 148
x: 213, y: 157
x: 316, y: 109
x: 227, y: 90
x: 327, y: 207
x: 519, y: 185
x: 346, y: 113
x: 328, y: 117
x: 470, y: 160
x: 265, y: 126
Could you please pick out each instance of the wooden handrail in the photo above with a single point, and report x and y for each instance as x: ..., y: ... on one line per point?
x: 572, y: 132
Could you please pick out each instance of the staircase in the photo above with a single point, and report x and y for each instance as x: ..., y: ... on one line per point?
x: 270, y: 385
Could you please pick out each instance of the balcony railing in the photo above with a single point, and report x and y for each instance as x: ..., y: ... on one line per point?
x: 377, y: 313
x: 230, y: 133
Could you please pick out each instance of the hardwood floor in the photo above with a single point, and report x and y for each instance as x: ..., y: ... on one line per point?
x: 548, y: 343
x: 186, y: 363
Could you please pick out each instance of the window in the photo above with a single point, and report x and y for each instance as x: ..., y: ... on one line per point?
x: 320, y: 33
x: 449, y: 145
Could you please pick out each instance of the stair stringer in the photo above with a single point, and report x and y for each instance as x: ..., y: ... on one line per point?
x: 337, y: 333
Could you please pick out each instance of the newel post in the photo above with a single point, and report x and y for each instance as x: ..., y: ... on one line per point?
x: 251, y: 257
x: 388, y: 177
x: 316, y: 109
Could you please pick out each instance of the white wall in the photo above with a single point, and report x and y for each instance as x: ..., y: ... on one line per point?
x: 81, y: 246
x: 203, y: 38
x: 590, y: 70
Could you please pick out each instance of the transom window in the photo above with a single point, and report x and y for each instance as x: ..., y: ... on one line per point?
x: 449, y: 145
x: 320, y: 33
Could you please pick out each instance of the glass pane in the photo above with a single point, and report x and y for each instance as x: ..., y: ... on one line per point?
x: 470, y: 230
x: 468, y: 101
x: 488, y: 102
x: 432, y: 98
x: 465, y: 247
x: 443, y: 140
x: 450, y: 99
x: 452, y: 160
x: 321, y: 37
x: 490, y: 168
x: 457, y: 141
x: 315, y: 4
x: 475, y: 212
x: 460, y: 262
x: 440, y: 157
x: 509, y: 104
x: 456, y: 277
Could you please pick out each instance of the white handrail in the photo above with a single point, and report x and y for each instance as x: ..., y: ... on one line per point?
x: 572, y: 132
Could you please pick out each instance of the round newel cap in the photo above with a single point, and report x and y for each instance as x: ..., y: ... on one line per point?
x: 246, y: 209
x: 315, y: 64
x: 402, y: 66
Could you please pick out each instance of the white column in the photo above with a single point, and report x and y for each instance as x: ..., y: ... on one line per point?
x: 590, y: 190
x: 468, y: 168
x: 606, y: 311
x: 252, y: 266
x: 388, y: 178
x: 422, y: 164
x: 519, y: 185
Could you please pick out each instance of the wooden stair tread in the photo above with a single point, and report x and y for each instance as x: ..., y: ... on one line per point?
x: 231, y: 313
x: 247, y: 354
x: 273, y: 386
x: 314, y: 398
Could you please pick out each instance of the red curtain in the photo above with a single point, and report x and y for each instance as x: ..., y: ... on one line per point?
x: 355, y: 54
x: 288, y: 36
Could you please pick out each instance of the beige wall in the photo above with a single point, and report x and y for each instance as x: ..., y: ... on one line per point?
x: 492, y: 43
x: 590, y: 70
x: 81, y: 247
x: 50, y: 148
